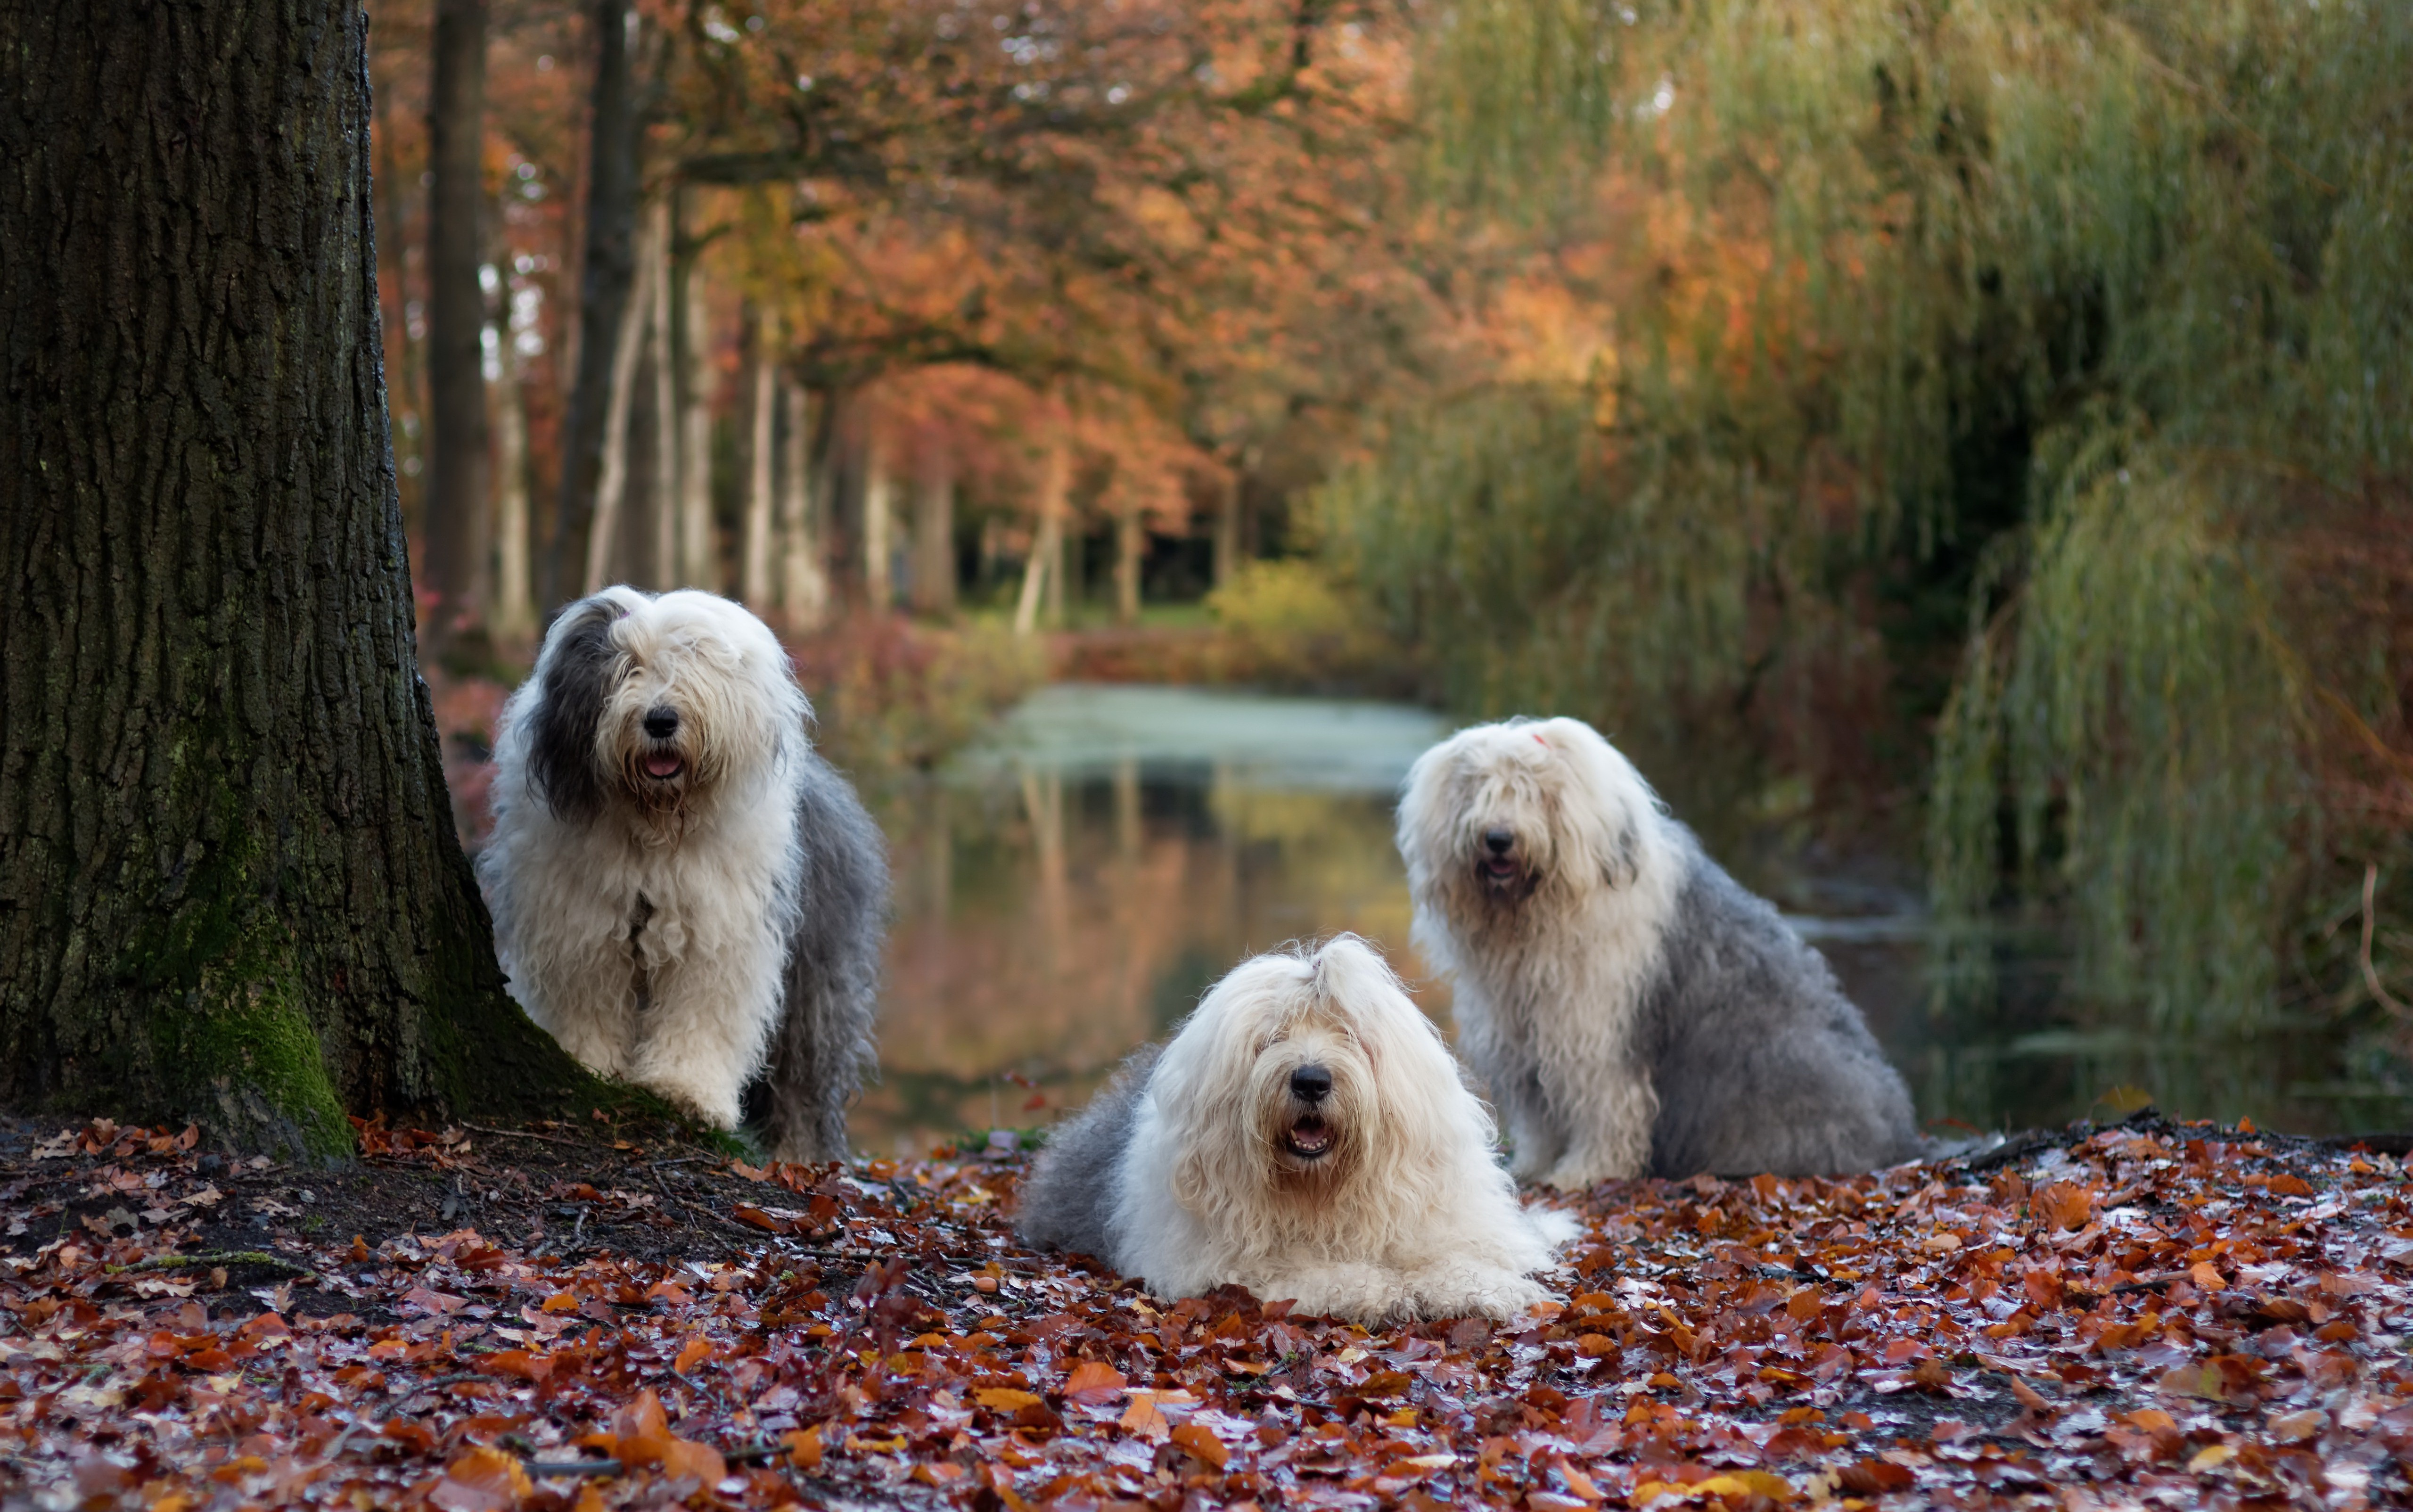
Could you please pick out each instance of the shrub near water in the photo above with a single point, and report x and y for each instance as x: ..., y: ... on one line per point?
x: 891, y: 695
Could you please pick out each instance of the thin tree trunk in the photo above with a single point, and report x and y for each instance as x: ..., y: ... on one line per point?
x: 933, y: 534
x: 457, y: 524
x: 698, y: 550
x: 229, y: 887
x: 609, y: 271
x: 804, y: 579
x: 627, y: 345
x: 1047, y: 542
x: 755, y: 575
x: 514, y: 616
x: 662, y: 572
x: 878, y: 521
x: 1130, y: 547
x: 1227, y: 529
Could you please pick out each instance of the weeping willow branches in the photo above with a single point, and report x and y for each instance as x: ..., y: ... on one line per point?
x: 2100, y: 313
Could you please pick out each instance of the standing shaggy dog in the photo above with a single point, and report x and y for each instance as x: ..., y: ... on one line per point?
x: 1306, y: 1136
x: 1634, y: 1011
x: 684, y: 895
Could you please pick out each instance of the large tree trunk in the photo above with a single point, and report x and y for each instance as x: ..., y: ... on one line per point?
x: 458, y: 529
x: 229, y: 888
x: 604, y: 293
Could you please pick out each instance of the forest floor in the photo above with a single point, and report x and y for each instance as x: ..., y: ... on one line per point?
x: 563, y: 1317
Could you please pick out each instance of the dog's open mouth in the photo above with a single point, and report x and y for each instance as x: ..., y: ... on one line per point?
x: 1498, y: 868
x: 663, y: 766
x: 1309, y: 1139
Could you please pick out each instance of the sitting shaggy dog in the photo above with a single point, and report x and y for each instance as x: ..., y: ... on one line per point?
x: 684, y: 895
x: 1634, y: 1011
x: 1306, y: 1136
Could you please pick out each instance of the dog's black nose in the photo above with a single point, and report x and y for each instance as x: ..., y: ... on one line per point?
x: 1311, y: 1084
x: 1498, y: 840
x: 661, y: 723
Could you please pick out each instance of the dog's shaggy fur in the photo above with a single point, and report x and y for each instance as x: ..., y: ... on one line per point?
x: 1306, y: 1135
x: 1633, y: 1010
x: 685, y: 894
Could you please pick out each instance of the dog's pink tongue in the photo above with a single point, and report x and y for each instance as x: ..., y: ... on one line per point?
x: 662, y: 766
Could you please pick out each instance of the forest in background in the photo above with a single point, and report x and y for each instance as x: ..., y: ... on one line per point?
x: 1979, y: 431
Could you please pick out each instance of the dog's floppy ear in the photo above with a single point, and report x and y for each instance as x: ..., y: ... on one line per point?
x: 1620, y: 851
x: 577, y: 665
x: 1610, y: 800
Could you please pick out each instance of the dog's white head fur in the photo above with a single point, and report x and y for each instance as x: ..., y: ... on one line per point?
x: 1307, y: 1133
x: 659, y: 706
x: 1505, y: 826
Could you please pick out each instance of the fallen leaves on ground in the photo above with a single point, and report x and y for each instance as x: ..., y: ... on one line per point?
x: 2152, y: 1314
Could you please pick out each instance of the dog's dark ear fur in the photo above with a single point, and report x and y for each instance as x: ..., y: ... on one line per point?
x: 1620, y: 860
x: 561, y: 741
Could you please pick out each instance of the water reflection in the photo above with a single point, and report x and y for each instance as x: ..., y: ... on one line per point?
x: 1066, y: 889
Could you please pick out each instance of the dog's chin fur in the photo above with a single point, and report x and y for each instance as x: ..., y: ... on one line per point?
x: 1632, y: 1009
x: 649, y: 890
x: 1200, y: 1166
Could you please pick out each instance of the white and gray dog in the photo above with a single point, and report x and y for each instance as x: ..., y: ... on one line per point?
x: 1634, y: 1011
x: 685, y: 894
x: 1305, y: 1135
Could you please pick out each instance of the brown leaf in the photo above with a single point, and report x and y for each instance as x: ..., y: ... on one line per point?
x: 486, y: 1479
x: 2064, y: 1205
x: 1199, y: 1441
x: 1874, y: 1478
x: 1091, y: 1383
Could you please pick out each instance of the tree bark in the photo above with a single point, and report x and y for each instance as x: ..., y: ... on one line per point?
x: 804, y: 576
x: 1042, y: 575
x: 458, y: 525
x: 1130, y: 547
x: 754, y: 571
x: 699, y: 565
x: 512, y: 617
x: 661, y: 572
x: 933, y: 534
x: 229, y: 888
x: 1227, y: 529
x: 879, y: 519
x: 627, y: 345
x: 609, y: 269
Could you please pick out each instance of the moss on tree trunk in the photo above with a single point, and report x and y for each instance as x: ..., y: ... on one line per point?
x: 229, y: 888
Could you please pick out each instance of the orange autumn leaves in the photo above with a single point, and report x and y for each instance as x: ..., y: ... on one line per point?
x: 1734, y: 1345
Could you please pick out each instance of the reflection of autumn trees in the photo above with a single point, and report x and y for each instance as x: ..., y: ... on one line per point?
x: 1048, y: 927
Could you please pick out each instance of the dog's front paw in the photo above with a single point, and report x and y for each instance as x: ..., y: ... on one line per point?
x: 1573, y: 1175
x: 599, y: 1053
x: 714, y: 1105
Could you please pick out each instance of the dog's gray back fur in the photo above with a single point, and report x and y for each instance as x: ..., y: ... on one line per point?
x: 1069, y: 1198
x: 1759, y: 1061
x: 821, y: 1050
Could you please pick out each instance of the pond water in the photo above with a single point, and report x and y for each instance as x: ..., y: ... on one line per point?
x: 1067, y: 888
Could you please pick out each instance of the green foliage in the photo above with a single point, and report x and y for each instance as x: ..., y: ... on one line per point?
x: 2158, y: 255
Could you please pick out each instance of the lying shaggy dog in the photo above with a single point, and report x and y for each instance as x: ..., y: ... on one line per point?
x: 1306, y: 1136
x: 684, y: 894
x: 1634, y: 1011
